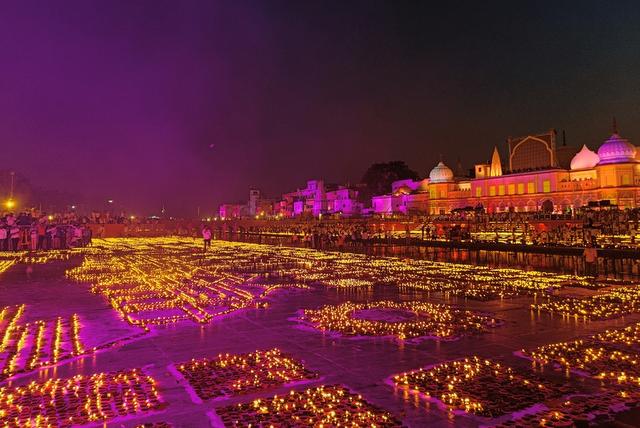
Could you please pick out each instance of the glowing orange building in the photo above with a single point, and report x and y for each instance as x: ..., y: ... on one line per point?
x: 540, y: 177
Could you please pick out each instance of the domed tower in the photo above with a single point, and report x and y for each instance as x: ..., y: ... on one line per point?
x: 616, y: 149
x: 441, y: 174
x: 440, y: 182
x: 617, y: 169
x: 585, y: 159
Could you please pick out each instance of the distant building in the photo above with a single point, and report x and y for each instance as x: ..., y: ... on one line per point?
x: 343, y: 200
x: 228, y: 211
x: 315, y: 199
x: 319, y: 198
x: 304, y: 201
x: 254, y: 199
x: 265, y: 208
x: 256, y: 206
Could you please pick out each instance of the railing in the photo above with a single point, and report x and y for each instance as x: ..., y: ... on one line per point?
x: 611, y: 262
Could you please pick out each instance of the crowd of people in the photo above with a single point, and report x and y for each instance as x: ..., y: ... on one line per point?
x: 28, y: 232
x: 326, y: 234
x: 611, y: 227
x: 607, y: 227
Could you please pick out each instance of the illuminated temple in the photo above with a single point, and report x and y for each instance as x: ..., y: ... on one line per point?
x: 537, y: 175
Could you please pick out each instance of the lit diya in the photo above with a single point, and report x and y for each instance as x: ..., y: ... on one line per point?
x: 403, y: 320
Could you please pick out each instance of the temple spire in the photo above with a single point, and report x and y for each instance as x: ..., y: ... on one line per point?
x: 459, y: 169
x: 495, y: 170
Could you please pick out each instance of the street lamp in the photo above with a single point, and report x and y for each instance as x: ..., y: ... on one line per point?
x: 10, y: 204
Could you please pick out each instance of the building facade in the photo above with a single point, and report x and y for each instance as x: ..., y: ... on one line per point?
x: 316, y: 199
x: 541, y: 177
x: 229, y: 211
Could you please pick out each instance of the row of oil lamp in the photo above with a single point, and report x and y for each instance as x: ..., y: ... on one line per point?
x: 144, y: 286
x: 609, y: 304
x: 6, y: 264
x: 479, y: 386
x: 611, y: 356
x: 230, y: 375
x: 103, y: 397
x: 323, y: 406
x: 588, y: 408
x: 156, y: 281
x: 9, y: 260
x: 78, y: 400
x: 150, y: 282
x: 337, y: 269
x: 19, y: 338
x: 419, y: 319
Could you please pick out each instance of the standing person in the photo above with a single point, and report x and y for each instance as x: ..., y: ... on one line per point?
x: 590, y: 258
x: 62, y: 237
x: 42, y: 234
x: 86, y: 236
x: 15, y: 237
x: 4, y: 244
x: 55, y: 240
x: 77, y: 235
x: 33, y: 235
x: 11, y: 220
x: 206, y: 236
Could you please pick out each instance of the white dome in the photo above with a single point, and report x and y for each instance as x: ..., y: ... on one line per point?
x: 441, y: 174
x: 615, y: 150
x: 585, y: 159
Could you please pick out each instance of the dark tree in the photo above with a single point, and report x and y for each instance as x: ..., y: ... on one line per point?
x: 378, y: 178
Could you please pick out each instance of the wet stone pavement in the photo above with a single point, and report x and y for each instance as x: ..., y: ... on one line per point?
x: 364, y: 365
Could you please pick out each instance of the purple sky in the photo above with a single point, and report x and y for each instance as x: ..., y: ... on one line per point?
x: 122, y: 100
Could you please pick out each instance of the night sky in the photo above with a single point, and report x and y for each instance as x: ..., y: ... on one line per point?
x: 123, y: 100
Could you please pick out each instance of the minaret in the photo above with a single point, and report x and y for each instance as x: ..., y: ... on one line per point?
x: 496, y: 166
x: 459, y: 170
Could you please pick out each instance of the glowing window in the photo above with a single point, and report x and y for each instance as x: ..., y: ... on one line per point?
x: 501, y: 189
x: 511, y: 189
x: 520, y: 188
x: 478, y: 192
x: 531, y: 187
x: 492, y: 191
x: 546, y: 186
